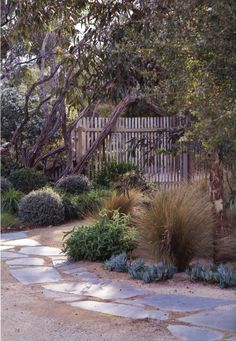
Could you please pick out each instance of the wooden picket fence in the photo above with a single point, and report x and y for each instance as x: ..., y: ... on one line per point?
x: 164, y: 168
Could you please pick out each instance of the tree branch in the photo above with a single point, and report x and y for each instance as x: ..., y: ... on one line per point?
x: 105, y: 131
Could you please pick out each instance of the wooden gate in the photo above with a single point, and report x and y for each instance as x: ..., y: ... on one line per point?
x: 158, y: 166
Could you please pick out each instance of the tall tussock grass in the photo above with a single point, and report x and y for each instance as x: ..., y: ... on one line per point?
x: 226, y: 247
x: 178, y: 226
x: 122, y: 202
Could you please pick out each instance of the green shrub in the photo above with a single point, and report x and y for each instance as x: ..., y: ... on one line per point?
x: 131, y: 180
x: 10, y: 200
x: 177, y: 226
x: 213, y: 274
x: 73, y: 184
x: 117, y: 263
x: 43, y: 207
x: 78, y: 206
x: 27, y: 180
x: 101, y: 240
x: 9, y: 219
x: 5, y: 184
x: 111, y: 172
x: 151, y: 273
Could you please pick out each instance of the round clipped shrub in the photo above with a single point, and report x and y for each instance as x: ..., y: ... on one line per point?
x: 27, y: 180
x: 74, y: 184
x: 43, y: 207
x: 5, y: 184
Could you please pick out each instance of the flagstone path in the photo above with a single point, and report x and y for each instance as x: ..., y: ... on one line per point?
x: 201, y: 318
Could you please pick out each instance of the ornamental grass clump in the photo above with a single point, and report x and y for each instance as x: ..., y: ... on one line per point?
x: 74, y: 184
x: 122, y: 202
x: 177, y: 226
x: 226, y: 247
x: 99, y: 241
x: 43, y: 207
x: 10, y: 200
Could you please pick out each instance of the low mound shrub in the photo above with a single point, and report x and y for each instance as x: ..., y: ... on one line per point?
x: 99, y: 241
x: 73, y: 184
x: 5, y: 184
x: 221, y: 275
x: 27, y: 180
x: 11, y: 199
x: 43, y: 207
x: 151, y: 273
x: 111, y: 172
x: 117, y: 263
x: 177, y: 226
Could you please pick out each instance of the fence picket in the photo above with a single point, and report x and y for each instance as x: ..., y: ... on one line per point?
x: 167, y: 169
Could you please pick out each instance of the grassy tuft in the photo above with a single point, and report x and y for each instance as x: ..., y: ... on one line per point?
x: 123, y: 203
x: 177, y: 226
x: 9, y: 219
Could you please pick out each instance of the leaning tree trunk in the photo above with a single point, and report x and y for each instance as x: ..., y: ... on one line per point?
x: 216, y: 188
x: 105, y: 131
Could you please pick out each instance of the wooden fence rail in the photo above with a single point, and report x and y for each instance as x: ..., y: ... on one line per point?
x: 164, y: 168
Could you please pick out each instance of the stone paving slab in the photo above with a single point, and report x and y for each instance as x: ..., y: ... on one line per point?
x: 232, y: 338
x: 22, y: 242
x: 222, y: 320
x: 9, y: 255
x: 67, y: 265
x: 195, y: 333
x: 5, y: 247
x: 121, y: 310
x: 104, y: 291
x: 40, y: 250
x: 61, y: 296
x: 86, y: 276
x: 182, y: 303
x: 26, y: 261
x: 13, y: 235
x: 36, y: 275
x: 73, y: 270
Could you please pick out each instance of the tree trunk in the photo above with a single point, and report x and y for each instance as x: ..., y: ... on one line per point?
x: 216, y: 188
x: 105, y: 131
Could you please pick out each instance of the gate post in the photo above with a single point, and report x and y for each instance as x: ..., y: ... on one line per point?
x: 80, y: 145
